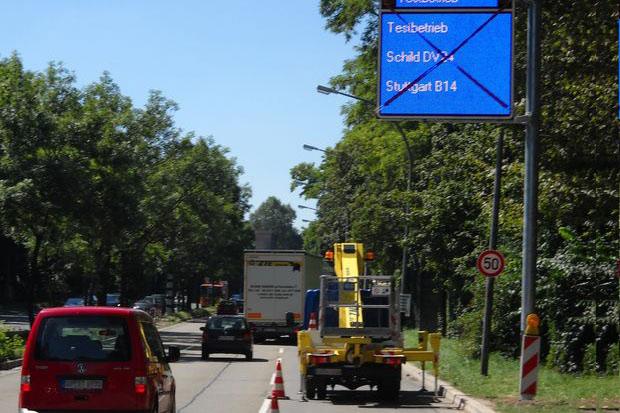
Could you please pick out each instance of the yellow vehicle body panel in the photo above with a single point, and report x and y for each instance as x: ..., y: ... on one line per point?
x: 349, y: 262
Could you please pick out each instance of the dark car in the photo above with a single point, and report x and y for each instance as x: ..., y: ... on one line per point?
x: 113, y: 300
x: 159, y: 300
x: 146, y: 306
x: 227, y: 334
x: 74, y: 302
x: 227, y: 307
x: 99, y: 359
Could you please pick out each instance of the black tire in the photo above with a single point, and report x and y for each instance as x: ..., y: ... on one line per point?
x: 389, y: 389
x: 205, y: 354
x: 173, y: 405
x: 249, y: 356
x: 310, y: 389
x: 321, y: 391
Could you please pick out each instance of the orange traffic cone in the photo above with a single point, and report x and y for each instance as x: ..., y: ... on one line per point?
x: 312, y: 322
x: 274, y: 405
x: 278, y: 383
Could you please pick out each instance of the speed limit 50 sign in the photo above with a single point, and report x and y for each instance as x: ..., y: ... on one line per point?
x: 490, y: 263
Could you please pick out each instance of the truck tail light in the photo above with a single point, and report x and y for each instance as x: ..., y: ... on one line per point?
x: 392, y: 361
x: 25, y: 384
x: 247, y: 336
x: 140, y: 385
x: 320, y: 358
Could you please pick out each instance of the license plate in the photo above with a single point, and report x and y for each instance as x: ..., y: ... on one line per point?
x: 227, y: 338
x: 82, y: 384
x: 328, y: 372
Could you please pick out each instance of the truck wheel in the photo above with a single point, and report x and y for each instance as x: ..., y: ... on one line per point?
x: 205, y: 354
x: 389, y: 389
x: 249, y: 355
x: 310, y: 389
x: 321, y: 391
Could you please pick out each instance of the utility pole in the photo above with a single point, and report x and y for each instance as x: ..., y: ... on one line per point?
x: 530, y: 207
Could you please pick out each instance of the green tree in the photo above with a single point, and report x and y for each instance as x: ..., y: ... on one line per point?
x: 272, y: 215
x: 450, y: 200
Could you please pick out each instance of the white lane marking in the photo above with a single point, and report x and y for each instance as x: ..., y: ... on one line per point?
x: 265, y: 407
x: 281, y: 351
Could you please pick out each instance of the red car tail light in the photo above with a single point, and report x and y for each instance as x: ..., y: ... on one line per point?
x: 247, y: 336
x: 25, y: 384
x: 140, y: 385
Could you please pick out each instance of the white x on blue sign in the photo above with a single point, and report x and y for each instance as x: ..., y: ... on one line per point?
x: 446, y: 65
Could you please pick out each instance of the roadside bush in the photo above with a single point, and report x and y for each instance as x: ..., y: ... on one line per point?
x: 178, y: 316
x: 10, y: 346
x: 468, y: 329
x: 200, y: 312
x: 613, y: 359
x: 589, y: 359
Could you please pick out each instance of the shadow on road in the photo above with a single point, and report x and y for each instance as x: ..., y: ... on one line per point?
x: 166, y: 335
x: 369, y: 399
x: 281, y: 341
x: 195, y: 358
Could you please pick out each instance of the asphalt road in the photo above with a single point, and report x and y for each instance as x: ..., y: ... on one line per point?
x: 233, y: 385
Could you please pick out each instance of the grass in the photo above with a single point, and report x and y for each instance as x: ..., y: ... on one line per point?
x: 556, y: 392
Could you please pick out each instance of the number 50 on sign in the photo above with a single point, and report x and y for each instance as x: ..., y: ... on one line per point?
x: 490, y: 263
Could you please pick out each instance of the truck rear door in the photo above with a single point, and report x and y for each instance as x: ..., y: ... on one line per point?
x: 274, y: 287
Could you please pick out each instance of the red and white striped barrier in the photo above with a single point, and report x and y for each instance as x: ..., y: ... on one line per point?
x: 530, y: 358
x: 312, y: 322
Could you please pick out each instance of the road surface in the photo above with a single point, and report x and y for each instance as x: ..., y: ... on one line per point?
x: 230, y: 384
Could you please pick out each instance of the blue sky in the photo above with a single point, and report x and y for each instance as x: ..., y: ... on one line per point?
x: 242, y: 73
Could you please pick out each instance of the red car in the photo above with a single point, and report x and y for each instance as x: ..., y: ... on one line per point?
x: 96, y: 359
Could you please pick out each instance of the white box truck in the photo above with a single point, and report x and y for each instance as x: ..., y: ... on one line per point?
x: 274, y: 286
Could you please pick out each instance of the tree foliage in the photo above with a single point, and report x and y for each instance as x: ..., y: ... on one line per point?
x: 272, y: 215
x: 104, y: 196
x: 447, y: 211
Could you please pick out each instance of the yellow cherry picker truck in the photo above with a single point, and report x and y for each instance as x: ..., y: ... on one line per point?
x: 359, y: 339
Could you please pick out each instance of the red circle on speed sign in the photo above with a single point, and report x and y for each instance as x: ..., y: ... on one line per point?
x: 490, y: 263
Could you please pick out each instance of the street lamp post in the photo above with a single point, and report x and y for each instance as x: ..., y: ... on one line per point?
x: 326, y: 90
x: 313, y: 148
x: 306, y: 207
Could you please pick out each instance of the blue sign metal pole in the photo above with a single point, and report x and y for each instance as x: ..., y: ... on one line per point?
x: 530, y: 207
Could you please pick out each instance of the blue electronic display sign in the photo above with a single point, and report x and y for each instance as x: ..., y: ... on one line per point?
x: 446, y: 4
x: 445, y: 65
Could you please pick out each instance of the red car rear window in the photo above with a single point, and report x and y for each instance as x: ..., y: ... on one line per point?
x: 83, y: 338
